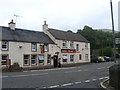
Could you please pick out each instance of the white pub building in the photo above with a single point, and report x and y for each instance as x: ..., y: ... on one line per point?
x: 34, y: 49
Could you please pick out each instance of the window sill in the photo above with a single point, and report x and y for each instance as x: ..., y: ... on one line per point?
x: 34, y: 51
x: 26, y: 65
x: 4, y: 49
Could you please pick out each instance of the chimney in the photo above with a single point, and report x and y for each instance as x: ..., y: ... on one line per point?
x: 45, y: 27
x: 11, y: 25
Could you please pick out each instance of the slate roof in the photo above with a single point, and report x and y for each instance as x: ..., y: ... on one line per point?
x: 63, y: 35
x: 23, y: 35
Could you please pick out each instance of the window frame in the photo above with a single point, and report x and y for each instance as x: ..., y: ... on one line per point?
x: 49, y: 59
x: 46, y: 48
x: 7, y: 46
x: 41, y: 60
x: 86, y: 45
x: 65, y: 60
x: 4, y: 60
x: 72, y: 59
x: 34, y: 59
x: 77, y: 47
x: 71, y: 44
x: 87, y: 55
x: 32, y: 49
x: 28, y: 60
x: 64, y: 44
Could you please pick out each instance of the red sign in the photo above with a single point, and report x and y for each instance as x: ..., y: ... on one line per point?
x: 42, y: 48
x: 68, y: 50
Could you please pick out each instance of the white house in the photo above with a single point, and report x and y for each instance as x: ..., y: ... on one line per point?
x: 38, y: 49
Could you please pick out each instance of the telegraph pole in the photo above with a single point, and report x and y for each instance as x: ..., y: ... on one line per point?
x: 113, y: 31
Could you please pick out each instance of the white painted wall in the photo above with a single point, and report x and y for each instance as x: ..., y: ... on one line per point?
x: 16, y: 54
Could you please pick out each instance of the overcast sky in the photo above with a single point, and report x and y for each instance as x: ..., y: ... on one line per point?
x: 59, y: 14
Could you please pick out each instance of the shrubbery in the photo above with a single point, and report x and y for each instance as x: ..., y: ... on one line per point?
x: 13, y: 68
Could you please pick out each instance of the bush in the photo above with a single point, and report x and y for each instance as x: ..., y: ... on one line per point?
x: 13, y: 68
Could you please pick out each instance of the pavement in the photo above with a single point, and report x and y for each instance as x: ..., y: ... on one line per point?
x: 84, y: 76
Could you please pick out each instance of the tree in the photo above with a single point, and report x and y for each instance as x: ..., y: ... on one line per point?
x: 69, y: 31
x: 98, y: 38
x: 107, y: 51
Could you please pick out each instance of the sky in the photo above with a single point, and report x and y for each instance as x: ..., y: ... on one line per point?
x: 59, y: 14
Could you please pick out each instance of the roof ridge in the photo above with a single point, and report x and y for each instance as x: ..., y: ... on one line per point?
x: 23, y: 29
x: 60, y: 30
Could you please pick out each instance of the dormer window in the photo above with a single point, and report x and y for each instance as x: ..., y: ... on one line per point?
x: 71, y: 44
x: 4, y: 45
x: 64, y: 44
x: 34, y: 47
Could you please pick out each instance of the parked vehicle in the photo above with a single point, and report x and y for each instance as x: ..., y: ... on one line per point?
x: 107, y: 59
x: 97, y: 59
x: 93, y: 60
x: 101, y: 59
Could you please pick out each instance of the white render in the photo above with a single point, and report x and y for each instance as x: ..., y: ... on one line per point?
x: 82, y: 49
x: 16, y: 53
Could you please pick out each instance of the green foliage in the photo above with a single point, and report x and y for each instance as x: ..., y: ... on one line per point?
x: 69, y: 31
x: 13, y: 68
x: 99, y: 40
x: 107, y: 51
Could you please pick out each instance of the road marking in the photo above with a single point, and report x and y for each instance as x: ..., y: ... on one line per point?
x: 87, y: 81
x: 78, y: 82
x: 106, y: 77
x: 73, y: 67
x: 101, y: 78
x: 94, y: 79
x: 98, y: 68
x: 54, y: 86
x: 79, y: 70
x: 67, y: 84
x: 28, y: 75
x: 34, y: 70
x: 102, y: 67
x: 71, y: 71
x: 25, y: 71
x: 44, y: 87
x: 86, y: 70
x: 3, y: 76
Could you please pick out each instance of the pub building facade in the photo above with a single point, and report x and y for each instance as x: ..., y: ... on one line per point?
x: 42, y: 49
x: 71, y: 48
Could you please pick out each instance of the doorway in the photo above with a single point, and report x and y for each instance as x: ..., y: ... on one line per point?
x: 55, y: 61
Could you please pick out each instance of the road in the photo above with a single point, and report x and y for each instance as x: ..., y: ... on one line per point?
x: 83, y: 76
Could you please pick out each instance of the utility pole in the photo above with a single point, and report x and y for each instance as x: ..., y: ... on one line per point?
x: 113, y: 31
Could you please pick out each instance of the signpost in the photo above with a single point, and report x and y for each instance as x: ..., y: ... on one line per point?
x: 117, y: 41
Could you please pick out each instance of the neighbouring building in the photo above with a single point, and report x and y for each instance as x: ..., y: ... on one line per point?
x: 38, y: 49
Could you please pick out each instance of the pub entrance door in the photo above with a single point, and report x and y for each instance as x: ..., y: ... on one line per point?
x: 55, y: 61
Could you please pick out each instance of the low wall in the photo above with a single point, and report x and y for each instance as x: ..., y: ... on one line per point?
x: 114, y: 75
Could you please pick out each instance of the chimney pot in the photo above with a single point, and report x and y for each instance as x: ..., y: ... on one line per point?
x: 12, y: 25
x: 45, y: 27
x: 44, y: 22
